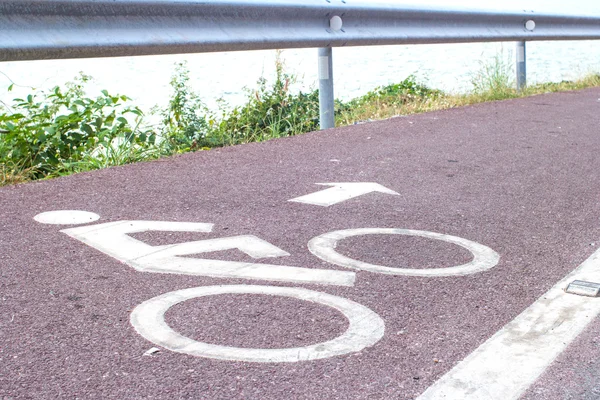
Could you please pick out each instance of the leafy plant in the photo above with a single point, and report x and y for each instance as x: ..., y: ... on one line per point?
x: 408, y: 90
x: 385, y: 101
x: 117, y: 152
x: 271, y: 111
x: 47, y: 129
x: 184, y: 121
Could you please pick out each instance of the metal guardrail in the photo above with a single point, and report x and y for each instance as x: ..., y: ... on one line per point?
x: 49, y: 29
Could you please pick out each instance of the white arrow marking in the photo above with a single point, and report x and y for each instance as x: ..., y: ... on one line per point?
x: 341, y: 192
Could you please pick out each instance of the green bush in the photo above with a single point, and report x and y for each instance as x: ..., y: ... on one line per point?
x: 63, y: 130
x: 47, y: 129
x: 184, y: 121
x: 270, y: 112
x: 396, y: 94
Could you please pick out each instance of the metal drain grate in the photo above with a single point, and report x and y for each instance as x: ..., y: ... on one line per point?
x: 584, y: 288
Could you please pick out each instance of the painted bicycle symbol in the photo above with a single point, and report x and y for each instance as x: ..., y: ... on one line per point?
x: 365, y: 327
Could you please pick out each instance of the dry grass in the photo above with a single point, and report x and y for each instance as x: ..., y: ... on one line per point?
x: 387, y: 107
x: 11, y: 176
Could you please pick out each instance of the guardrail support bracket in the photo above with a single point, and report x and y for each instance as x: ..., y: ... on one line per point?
x: 521, y: 66
x: 326, y: 115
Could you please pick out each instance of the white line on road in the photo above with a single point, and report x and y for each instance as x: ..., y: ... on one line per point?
x: 341, y: 192
x: 510, y: 361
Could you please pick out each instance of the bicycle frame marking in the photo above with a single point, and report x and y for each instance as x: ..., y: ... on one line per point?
x: 112, y: 239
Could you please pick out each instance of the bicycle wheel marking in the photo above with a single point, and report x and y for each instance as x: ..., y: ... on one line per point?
x: 365, y: 327
x: 323, y: 246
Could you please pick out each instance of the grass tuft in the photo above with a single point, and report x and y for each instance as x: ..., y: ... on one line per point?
x: 495, y: 80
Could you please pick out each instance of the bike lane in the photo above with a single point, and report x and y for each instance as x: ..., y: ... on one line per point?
x: 515, y: 177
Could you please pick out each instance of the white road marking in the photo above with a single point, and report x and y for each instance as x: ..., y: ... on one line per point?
x: 112, y: 238
x: 66, y: 217
x: 365, y: 327
x: 324, y: 246
x: 510, y: 361
x: 341, y: 192
x: 248, y: 244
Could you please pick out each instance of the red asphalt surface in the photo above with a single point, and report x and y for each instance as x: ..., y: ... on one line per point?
x: 520, y: 176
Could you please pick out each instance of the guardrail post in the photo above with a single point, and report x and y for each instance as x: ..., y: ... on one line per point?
x: 326, y: 116
x: 521, y: 66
